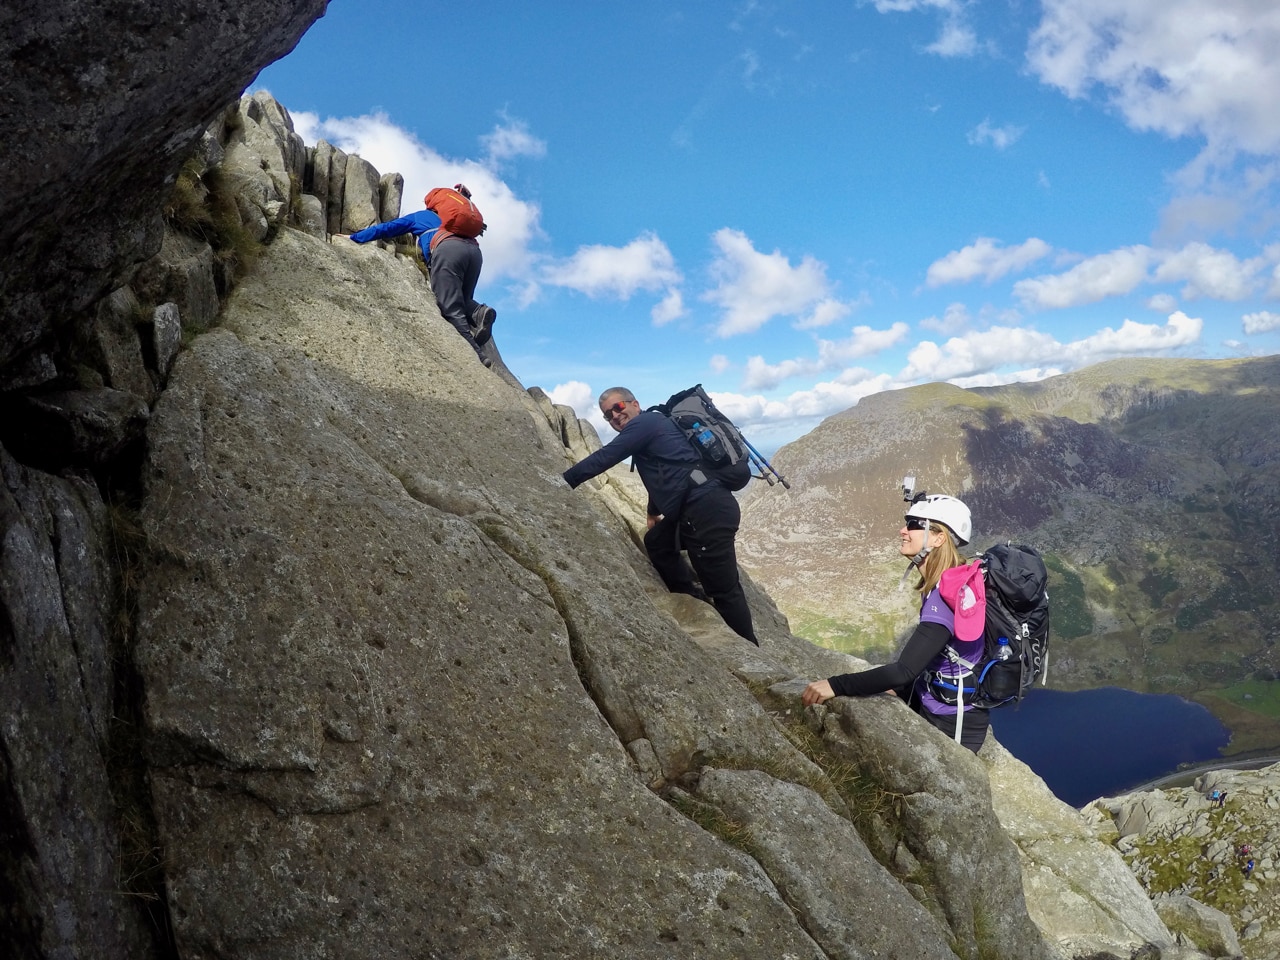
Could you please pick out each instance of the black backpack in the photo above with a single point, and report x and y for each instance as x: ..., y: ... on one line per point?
x: 1016, y: 584
x: 723, y: 451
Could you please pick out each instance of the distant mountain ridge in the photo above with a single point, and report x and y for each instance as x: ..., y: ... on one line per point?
x: 1150, y: 484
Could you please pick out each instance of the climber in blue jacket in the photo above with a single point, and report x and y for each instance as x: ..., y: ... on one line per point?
x: 456, y: 301
x: 423, y: 225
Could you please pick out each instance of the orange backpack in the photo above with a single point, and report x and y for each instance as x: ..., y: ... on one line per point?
x: 458, y: 215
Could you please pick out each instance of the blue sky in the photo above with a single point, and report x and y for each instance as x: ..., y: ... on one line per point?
x: 798, y: 204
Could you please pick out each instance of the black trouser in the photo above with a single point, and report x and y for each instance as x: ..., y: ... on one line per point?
x: 972, y: 731
x: 706, y: 530
x: 455, y: 271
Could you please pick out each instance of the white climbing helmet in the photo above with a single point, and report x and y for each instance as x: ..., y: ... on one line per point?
x: 948, y: 511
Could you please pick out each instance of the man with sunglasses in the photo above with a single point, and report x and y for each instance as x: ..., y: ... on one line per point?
x: 687, y: 510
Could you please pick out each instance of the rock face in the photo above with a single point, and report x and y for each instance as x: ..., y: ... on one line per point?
x: 64, y: 843
x: 308, y: 650
x: 103, y: 101
x: 391, y: 692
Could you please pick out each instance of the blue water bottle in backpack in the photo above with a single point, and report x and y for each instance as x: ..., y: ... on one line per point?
x: 712, y: 447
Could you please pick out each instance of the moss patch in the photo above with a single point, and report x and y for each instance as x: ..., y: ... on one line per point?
x: 1069, y: 614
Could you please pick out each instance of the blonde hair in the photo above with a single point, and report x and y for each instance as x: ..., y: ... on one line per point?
x: 942, y: 557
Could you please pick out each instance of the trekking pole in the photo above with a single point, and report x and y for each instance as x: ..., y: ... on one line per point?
x: 767, y: 471
x: 766, y: 463
x: 764, y: 475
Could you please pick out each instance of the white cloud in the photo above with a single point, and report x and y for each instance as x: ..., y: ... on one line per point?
x: 1260, y: 322
x: 1198, y: 214
x: 975, y: 359
x: 1030, y: 375
x: 1180, y: 67
x: 1205, y: 271
x: 827, y: 312
x: 1163, y: 303
x: 1209, y: 272
x: 986, y: 351
x: 752, y: 288
x: 976, y: 352
x: 821, y: 400
x: 719, y: 363
x: 510, y: 140
x: 598, y: 271
x: 832, y: 354
x: 985, y: 258
x: 766, y: 376
x: 513, y: 223
x: 956, y: 37
x: 670, y: 307
x: 999, y: 137
x: 954, y: 317
x: 582, y: 398
x: 1106, y: 275
x: 956, y: 40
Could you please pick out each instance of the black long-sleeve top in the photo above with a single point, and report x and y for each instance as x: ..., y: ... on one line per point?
x: 662, y: 455
x: 925, y: 643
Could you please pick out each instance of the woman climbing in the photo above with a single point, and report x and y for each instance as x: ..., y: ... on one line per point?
x: 952, y: 614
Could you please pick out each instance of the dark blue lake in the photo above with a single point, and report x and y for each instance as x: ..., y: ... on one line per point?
x: 1087, y: 744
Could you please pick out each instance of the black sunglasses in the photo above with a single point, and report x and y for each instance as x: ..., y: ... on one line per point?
x: 915, y: 523
x: 611, y: 411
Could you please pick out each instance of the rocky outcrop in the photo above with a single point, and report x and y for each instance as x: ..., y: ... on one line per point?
x: 1185, y: 850
x: 381, y: 639
x: 349, y: 671
x: 68, y: 853
x: 102, y: 105
x: 1079, y: 890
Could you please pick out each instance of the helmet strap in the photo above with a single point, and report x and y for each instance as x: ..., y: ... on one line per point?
x: 916, y: 562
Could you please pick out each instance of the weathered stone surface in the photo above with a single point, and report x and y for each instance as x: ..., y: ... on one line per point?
x: 337, y: 177
x: 83, y: 428
x: 317, y: 183
x: 113, y: 346
x: 1190, y: 847
x: 311, y: 218
x: 166, y: 337
x: 1207, y: 928
x: 360, y: 200
x: 1079, y: 890
x: 823, y: 869
x: 181, y: 273
x: 390, y: 193
x: 102, y: 105
x: 944, y: 819
x: 60, y: 875
x: 445, y: 674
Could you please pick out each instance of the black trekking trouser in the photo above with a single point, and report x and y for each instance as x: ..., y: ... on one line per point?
x: 973, y: 730
x: 706, y: 529
x: 455, y: 271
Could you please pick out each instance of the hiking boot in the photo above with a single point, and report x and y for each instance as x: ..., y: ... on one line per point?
x: 483, y: 318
